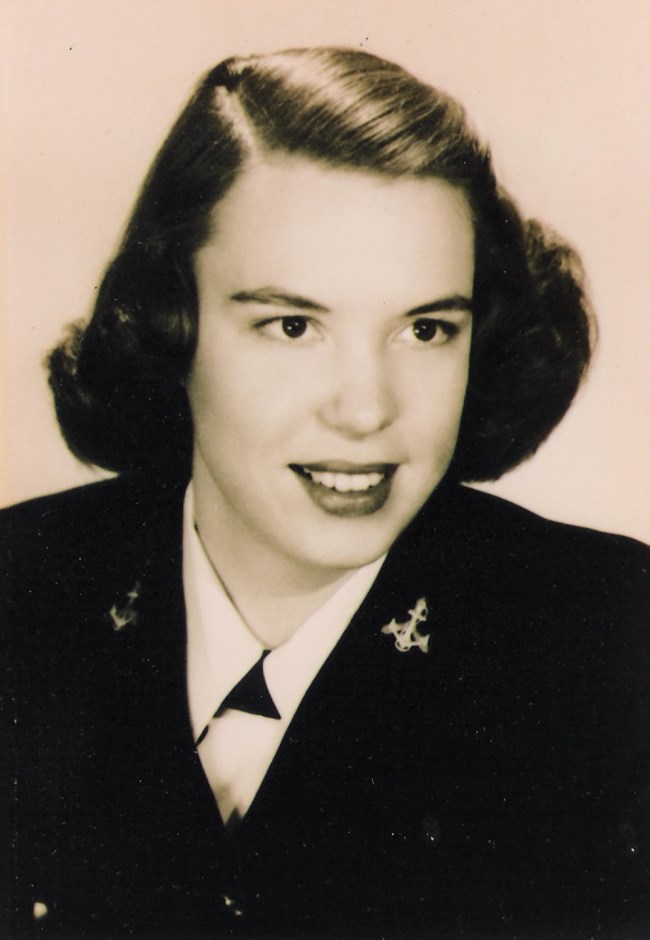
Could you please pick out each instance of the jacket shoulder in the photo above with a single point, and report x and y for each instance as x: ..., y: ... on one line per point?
x: 119, y: 505
x: 497, y: 559
x: 522, y: 533
x: 76, y: 504
x: 65, y: 550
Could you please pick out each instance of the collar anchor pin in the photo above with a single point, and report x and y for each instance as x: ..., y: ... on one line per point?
x: 407, y: 634
x: 126, y: 613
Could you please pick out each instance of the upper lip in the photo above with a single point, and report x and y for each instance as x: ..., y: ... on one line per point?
x: 345, y: 466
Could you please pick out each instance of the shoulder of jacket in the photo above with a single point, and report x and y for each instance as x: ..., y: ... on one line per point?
x: 84, y: 506
x: 487, y: 546
x: 70, y: 534
x: 65, y: 502
x: 499, y: 520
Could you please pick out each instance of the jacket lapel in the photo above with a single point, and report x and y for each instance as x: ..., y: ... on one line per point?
x: 333, y: 805
x: 152, y: 656
x: 151, y: 828
x: 372, y: 679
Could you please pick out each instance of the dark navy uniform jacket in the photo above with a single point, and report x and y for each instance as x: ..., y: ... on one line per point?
x: 493, y: 786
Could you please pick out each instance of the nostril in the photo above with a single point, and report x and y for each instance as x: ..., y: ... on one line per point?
x: 361, y: 404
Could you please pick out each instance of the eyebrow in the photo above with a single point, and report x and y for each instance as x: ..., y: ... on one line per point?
x: 454, y: 302
x: 274, y: 296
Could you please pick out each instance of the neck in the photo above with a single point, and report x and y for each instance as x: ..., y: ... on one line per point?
x: 274, y: 596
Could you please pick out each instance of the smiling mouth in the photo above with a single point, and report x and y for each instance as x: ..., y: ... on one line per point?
x: 343, y: 489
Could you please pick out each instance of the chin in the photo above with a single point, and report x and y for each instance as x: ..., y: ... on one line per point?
x: 352, y: 549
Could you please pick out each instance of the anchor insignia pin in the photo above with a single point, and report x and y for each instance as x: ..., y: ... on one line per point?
x: 126, y: 613
x: 407, y: 634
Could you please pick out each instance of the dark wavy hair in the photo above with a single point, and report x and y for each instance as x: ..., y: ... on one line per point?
x: 119, y: 380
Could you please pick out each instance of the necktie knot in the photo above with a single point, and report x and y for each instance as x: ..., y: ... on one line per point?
x: 250, y: 694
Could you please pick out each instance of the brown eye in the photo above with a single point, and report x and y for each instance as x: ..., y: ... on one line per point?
x: 294, y: 327
x: 425, y: 330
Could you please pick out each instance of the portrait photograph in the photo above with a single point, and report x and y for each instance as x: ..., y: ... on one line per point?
x: 324, y: 470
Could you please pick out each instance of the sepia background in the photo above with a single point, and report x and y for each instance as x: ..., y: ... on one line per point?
x: 560, y: 88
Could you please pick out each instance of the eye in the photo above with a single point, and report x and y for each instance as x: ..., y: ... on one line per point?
x: 425, y: 330
x: 285, y: 328
x: 430, y: 331
x: 294, y: 327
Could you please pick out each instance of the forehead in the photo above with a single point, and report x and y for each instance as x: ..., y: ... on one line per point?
x: 323, y: 231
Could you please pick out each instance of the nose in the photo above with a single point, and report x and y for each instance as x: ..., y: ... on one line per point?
x: 361, y: 399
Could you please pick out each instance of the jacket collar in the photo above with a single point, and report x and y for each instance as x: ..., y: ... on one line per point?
x: 365, y: 665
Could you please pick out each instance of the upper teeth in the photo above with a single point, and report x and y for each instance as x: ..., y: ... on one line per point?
x: 346, y: 482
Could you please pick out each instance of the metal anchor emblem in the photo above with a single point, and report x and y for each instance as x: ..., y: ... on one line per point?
x: 407, y: 634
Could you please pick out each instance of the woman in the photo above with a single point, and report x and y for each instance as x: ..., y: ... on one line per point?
x: 323, y: 691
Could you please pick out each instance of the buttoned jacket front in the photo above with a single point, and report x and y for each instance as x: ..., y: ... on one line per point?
x: 492, y: 786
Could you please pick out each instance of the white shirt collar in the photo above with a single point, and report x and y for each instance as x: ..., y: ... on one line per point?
x: 221, y: 649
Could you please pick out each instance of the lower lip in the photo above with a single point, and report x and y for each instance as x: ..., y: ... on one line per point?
x: 353, y: 504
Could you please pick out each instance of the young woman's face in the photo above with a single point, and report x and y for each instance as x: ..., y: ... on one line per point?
x: 332, y: 359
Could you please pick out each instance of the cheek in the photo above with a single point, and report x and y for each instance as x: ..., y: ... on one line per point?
x: 233, y: 409
x: 217, y: 383
x: 432, y: 397
x: 210, y: 401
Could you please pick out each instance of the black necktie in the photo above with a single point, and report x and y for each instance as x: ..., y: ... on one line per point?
x: 251, y: 694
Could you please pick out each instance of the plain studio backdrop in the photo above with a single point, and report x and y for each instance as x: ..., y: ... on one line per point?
x: 560, y: 88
